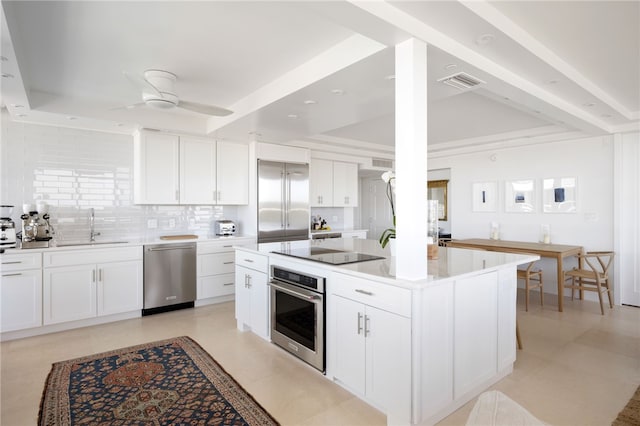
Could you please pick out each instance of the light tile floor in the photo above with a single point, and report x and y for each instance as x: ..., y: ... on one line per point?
x: 577, y: 367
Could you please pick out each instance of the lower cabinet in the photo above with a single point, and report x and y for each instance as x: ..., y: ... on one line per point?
x: 370, y: 343
x: 120, y: 287
x: 21, y: 300
x: 252, y: 301
x: 81, y: 285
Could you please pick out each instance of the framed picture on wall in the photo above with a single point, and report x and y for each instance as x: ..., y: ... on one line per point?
x: 519, y: 196
x: 559, y: 195
x: 484, y: 196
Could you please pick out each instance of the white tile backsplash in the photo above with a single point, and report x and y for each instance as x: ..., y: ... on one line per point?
x: 75, y: 170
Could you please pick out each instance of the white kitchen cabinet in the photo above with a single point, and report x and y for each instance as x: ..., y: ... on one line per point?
x: 120, y: 287
x: 370, y: 341
x: 216, y: 267
x: 232, y: 173
x: 345, y: 184
x: 156, y: 170
x: 197, y: 171
x: 81, y: 284
x: 21, y: 291
x: 252, y: 293
x: 69, y: 293
x: 354, y: 234
x: 173, y: 169
x: 333, y: 183
x: 321, y: 183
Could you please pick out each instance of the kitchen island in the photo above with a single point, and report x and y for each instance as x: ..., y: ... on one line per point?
x: 416, y: 350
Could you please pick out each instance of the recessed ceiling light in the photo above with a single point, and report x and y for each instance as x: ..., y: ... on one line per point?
x: 450, y: 66
x: 536, y: 111
x: 506, y: 99
x: 72, y: 118
x: 552, y: 82
x: 337, y: 91
x: 7, y: 75
x: 119, y: 124
x: 390, y: 77
x: 310, y: 102
x: 255, y: 133
x: 292, y: 115
x: 589, y: 104
x: 485, y: 39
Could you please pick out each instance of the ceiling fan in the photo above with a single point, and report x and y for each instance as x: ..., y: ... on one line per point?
x: 157, y: 88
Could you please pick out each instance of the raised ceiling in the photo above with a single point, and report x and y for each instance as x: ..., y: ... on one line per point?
x: 551, y: 69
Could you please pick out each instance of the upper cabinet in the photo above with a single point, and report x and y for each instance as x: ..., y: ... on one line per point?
x: 333, y: 183
x: 345, y: 184
x: 172, y: 169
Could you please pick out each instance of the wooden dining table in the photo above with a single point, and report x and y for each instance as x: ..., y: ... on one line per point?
x: 555, y: 251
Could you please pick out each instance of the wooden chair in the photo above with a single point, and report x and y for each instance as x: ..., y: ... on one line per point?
x: 593, y: 275
x: 532, y: 280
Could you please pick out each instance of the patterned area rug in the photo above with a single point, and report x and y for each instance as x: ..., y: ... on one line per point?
x: 630, y: 414
x: 168, y: 382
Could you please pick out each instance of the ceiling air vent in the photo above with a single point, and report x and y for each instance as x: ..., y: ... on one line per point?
x: 461, y: 80
x: 382, y: 162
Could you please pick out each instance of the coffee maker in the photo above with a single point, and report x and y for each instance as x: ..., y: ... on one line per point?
x: 7, y: 228
x: 36, y: 229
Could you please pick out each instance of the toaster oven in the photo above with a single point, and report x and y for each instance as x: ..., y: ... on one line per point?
x: 225, y: 227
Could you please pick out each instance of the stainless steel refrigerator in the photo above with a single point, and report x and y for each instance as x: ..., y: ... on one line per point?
x: 283, y: 201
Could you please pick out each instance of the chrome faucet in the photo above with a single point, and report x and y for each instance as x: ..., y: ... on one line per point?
x: 92, y: 223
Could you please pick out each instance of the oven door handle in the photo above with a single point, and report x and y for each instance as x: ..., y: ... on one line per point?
x: 310, y: 297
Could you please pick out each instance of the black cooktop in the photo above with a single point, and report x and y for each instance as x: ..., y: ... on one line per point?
x: 330, y: 256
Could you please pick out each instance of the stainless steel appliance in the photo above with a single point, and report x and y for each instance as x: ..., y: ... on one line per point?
x: 7, y: 228
x: 326, y: 255
x: 225, y: 227
x: 297, y: 314
x: 283, y: 201
x: 169, y: 277
x: 36, y: 229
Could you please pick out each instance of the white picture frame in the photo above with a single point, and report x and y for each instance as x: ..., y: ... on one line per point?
x: 484, y: 196
x: 559, y: 195
x: 520, y: 196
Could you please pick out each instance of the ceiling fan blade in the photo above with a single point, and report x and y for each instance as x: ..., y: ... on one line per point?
x: 132, y: 106
x: 204, y: 109
x: 142, y: 83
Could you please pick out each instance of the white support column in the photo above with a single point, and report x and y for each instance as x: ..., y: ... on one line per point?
x: 411, y: 160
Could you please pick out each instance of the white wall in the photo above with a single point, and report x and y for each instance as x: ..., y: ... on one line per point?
x: 74, y: 170
x: 589, y: 160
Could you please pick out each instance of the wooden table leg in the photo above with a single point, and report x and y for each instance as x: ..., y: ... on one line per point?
x: 560, y: 282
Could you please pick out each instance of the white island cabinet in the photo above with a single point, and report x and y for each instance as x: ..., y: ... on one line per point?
x: 416, y: 350
x: 252, y: 292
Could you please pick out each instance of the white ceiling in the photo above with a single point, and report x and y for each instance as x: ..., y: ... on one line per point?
x: 553, y: 69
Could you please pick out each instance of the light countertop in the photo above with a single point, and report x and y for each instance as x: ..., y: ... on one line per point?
x: 124, y: 242
x: 451, y: 263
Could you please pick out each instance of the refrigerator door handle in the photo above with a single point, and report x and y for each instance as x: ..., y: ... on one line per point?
x: 288, y: 199
x: 283, y: 200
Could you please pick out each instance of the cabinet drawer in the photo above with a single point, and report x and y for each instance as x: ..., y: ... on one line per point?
x: 19, y: 261
x: 382, y: 296
x: 216, y: 263
x: 255, y: 261
x: 216, y: 285
x: 215, y: 246
x: 88, y: 256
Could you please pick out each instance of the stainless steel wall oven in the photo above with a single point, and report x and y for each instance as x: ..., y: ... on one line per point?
x: 297, y: 314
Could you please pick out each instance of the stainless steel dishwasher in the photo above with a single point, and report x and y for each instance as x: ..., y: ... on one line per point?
x: 169, y: 277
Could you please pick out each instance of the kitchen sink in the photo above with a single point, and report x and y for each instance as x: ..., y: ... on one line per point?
x: 88, y: 243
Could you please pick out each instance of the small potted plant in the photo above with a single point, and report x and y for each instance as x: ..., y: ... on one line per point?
x: 390, y: 233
